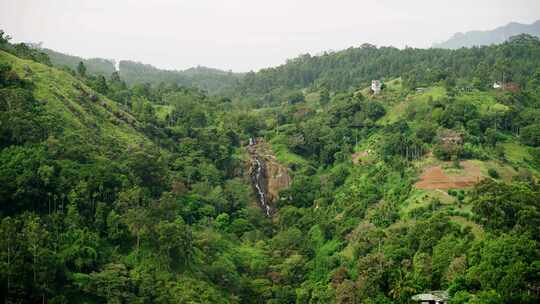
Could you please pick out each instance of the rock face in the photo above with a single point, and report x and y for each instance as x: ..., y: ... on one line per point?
x: 259, y: 181
x: 267, y: 175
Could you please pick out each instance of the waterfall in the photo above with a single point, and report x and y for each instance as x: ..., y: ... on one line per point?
x: 258, y: 179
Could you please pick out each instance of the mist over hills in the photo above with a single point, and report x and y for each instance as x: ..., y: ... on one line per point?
x: 208, y: 79
x: 495, y: 36
x: 95, y: 66
x: 321, y: 68
x: 205, y: 78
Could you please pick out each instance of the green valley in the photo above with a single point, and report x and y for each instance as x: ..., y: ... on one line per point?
x: 301, y: 183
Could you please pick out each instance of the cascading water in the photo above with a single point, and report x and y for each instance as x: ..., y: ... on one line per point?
x: 267, y: 175
x: 259, y: 181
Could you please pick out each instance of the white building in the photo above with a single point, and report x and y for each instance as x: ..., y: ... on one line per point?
x: 376, y: 86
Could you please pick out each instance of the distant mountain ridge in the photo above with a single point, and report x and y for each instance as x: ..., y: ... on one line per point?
x: 209, y: 79
x: 94, y: 66
x: 495, y: 36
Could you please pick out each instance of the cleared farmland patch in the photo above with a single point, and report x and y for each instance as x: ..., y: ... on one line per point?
x: 435, y: 177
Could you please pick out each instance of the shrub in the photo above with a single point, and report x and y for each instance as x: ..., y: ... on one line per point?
x: 493, y: 173
x: 441, y: 153
x: 455, y: 162
x: 295, y: 97
x: 471, y: 151
x: 530, y: 135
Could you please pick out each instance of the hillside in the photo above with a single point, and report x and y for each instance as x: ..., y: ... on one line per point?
x: 73, y: 162
x: 346, y: 70
x: 76, y: 123
x: 94, y: 66
x: 208, y: 79
x: 495, y: 36
x: 300, y: 185
x: 378, y: 180
x: 75, y: 108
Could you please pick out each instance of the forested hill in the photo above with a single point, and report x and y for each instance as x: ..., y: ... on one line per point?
x: 95, y: 177
x: 335, y: 71
x: 208, y: 79
x: 94, y: 66
x: 495, y: 36
x: 353, y: 67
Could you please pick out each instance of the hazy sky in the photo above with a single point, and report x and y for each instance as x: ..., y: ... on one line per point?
x: 245, y: 35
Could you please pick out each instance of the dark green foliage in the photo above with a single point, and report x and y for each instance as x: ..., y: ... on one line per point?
x: 88, y: 218
x: 340, y: 71
x: 503, y: 207
x: 81, y: 69
x: 324, y: 98
x: 530, y: 135
x: 493, y: 173
x: 426, y: 132
x: 295, y: 97
x: 374, y: 110
x: 504, y: 265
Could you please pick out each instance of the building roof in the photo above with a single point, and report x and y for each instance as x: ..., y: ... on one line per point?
x: 436, y: 295
x: 448, y: 133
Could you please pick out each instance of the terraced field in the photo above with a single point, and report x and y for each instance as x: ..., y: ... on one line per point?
x: 434, y: 177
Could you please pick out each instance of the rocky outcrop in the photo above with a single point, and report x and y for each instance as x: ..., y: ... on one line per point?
x: 267, y: 175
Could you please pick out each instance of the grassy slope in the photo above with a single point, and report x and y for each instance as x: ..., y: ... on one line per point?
x: 397, y: 104
x: 397, y: 110
x: 67, y: 98
x: 516, y: 155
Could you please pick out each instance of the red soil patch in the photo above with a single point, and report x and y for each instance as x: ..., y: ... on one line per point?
x: 435, y: 178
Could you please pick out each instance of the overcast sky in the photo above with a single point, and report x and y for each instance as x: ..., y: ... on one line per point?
x: 244, y: 35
